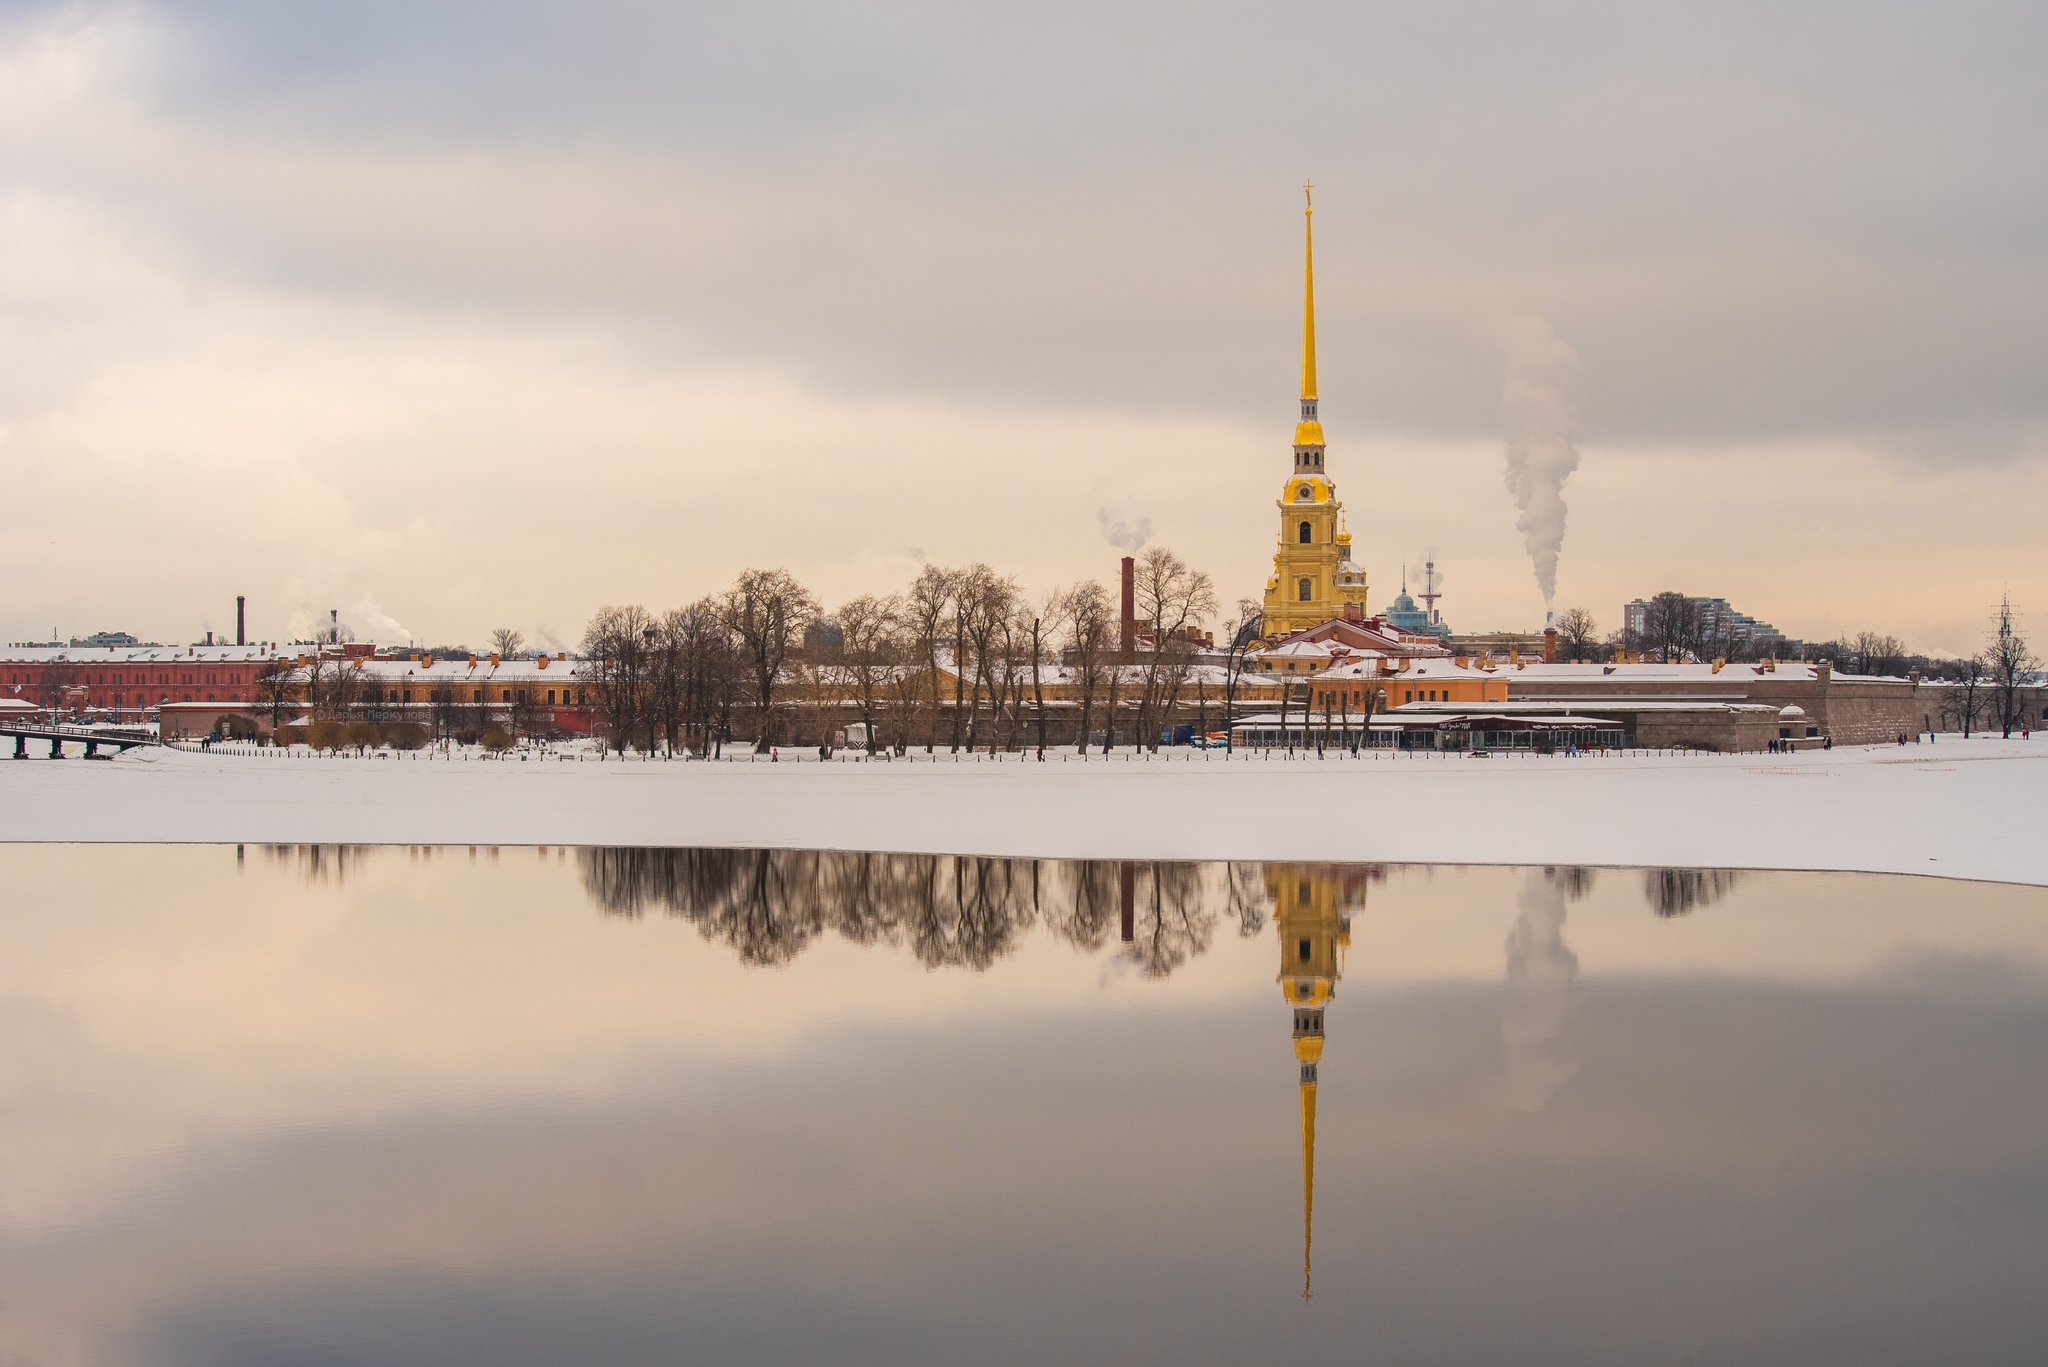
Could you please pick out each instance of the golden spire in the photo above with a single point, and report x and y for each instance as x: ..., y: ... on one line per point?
x: 1308, y: 294
x: 1308, y: 432
x: 1308, y: 1182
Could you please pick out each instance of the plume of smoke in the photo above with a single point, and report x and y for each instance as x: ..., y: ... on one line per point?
x: 372, y: 623
x: 1541, y: 427
x: 1126, y: 537
x: 1538, y: 1028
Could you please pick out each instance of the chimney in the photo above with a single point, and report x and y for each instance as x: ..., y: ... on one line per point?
x: 1353, y: 613
x: 241, y: 604
x: 1824, y: 671
x: 1128, y: 650
x: 1550, y: 645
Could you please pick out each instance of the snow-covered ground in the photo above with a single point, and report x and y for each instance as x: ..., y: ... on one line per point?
x: 1964, y: 809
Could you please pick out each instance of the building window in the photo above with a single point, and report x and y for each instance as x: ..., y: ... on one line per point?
x: 1302, y: 951
x: 1409, y: 696
x: 551, y: 697
x: 1302, y: 534
x: 508, y: 695
x: 476, y: 695
x: 1304, y: 589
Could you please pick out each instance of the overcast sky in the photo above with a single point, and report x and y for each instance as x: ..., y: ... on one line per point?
x: 453, y: 316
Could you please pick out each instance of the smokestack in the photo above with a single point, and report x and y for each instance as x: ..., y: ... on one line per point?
x: 1128, y: 651
x: 241, y: 621
x: 1550, y: 645
x: 1127, y: 877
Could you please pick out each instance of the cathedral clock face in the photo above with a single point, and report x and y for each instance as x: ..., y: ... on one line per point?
x: 1304, y: 494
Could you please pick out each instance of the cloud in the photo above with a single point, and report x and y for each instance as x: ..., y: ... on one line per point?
x: 411, y: 283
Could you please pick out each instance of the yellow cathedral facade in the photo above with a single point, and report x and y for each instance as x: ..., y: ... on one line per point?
x: 1314, y: 576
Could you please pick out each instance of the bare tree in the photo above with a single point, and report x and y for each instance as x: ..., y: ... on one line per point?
x: 872, y: 650
x: 277, y: 683
x: 925, y: 607
x: 1088, y: 626
x: 614, y: 666
x: 1966, y: 698
x: 1177, y: 599
x: 507, y: 643
x: 1578, y: 635
x: 1876, y: 654
x: 767, y: 611
x: 1243, y: 632
x: 2011, y: 664
x: 984, y: 602
x: 1671, y: 627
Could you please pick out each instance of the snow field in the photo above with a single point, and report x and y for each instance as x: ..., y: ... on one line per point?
x: 1960, y: 809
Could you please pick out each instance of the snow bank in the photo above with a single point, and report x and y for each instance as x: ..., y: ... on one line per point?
x: 1963, y: 809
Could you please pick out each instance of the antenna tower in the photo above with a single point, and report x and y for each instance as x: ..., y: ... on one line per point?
x: 1429, y: 595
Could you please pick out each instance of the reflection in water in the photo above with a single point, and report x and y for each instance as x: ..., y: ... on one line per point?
x: 1312, y: 907
x: 1675, y: 892
x: 1537, y: 1028
x: 450, y: 1114
x: 948, y: 910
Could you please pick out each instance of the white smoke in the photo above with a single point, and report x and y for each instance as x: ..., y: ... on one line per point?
x: 1540, y: 430
x: 372, y: 623
x: 1538, y: 1028
x: 1126, y: 537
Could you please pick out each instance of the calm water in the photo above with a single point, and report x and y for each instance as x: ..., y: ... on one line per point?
x: 658, y: 1106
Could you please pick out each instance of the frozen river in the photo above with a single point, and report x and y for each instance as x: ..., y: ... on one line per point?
x: 381, y: 1105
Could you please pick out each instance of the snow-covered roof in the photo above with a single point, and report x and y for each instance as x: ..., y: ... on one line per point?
x: 1538, y: 707
x: 142, y: 654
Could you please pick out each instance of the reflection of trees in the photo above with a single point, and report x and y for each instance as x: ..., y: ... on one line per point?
x: 948, y: 910
x: 320, y: 863
x: 1087, y: 905
x: 750, y: 900
x: 1248, y: 900
x: 1175, y: 919
x: 1574, y: 880
x: 1675, y: 892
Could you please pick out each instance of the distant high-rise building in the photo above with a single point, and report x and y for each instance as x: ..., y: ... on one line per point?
x: 1717, y: 619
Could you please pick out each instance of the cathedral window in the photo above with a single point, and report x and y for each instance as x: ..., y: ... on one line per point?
x: 1306, y: 589
x: 1304, y: 532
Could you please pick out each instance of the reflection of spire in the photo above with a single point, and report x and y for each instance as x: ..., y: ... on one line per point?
x: 1312, y: 907
x: 1308, y: 1176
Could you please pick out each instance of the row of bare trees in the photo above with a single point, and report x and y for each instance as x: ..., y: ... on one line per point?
x: 960, y: 657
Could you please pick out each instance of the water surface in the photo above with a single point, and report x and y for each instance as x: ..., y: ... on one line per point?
x: 319, y: 1105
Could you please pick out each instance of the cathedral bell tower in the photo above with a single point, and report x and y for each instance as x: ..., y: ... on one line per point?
x: 1313, y: 573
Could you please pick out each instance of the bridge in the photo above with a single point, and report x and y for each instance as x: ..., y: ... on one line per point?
x: 58, y: 734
